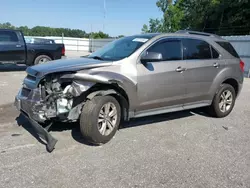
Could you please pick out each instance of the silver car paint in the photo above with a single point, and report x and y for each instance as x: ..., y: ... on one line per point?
x: 157, y: 87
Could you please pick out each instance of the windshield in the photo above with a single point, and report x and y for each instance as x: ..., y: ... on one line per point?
x: 120, y: 48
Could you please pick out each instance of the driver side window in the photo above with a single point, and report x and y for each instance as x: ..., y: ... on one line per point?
x: 169, y: 49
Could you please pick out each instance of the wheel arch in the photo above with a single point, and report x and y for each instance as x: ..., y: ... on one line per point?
x: 113, y: 90
x: 227, y: 75
x: 233, y: 82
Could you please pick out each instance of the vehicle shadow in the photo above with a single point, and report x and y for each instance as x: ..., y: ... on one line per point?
x: 164, y: 117
x: 156, y: 119
x: 75, y: 131
x: 75, y: 128
x: 12, y: 67
x: 144, y: 121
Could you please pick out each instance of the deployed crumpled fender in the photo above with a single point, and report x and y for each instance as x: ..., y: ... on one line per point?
x: 127, y: 84
x: 82, y: 82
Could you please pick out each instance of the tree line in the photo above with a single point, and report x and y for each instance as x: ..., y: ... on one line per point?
x: 49, y: 31
x: 222, y: 17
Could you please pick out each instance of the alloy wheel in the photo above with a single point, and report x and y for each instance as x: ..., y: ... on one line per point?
x: 107, y: 118
x: 226, y: 100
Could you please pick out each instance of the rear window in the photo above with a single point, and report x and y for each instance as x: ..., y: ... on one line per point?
x: 8, y: 36
x: 229, y: 48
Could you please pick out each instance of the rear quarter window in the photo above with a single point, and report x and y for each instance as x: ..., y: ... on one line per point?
x: 229, y: 48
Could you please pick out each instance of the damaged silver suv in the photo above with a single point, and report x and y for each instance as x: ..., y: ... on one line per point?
x: 132, y: 77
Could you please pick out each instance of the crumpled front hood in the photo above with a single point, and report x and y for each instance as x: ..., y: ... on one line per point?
x: 65, y: 65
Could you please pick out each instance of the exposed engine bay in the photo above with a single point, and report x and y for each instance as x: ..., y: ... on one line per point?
x: 59, y: 96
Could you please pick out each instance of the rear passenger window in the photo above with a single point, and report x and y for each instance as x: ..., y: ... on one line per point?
x: 215, y: 54
x: 8, y: 36
x: 196, y: 49
x: 228, y: 47
x: 170, y: 49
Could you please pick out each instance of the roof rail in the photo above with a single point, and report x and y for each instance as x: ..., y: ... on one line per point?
x: 198, y: 33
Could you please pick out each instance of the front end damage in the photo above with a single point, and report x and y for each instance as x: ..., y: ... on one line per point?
x: 56, y: 97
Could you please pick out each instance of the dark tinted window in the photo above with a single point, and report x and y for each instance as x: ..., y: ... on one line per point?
x: 228, y: 47
x: 196, y: 49
x: 215, y: 54
x: 8, y: 36
x: 170, y: 49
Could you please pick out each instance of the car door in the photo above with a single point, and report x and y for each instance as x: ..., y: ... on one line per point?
x: 203, y: 64
x: 12, y: 49
x: 161, y: 83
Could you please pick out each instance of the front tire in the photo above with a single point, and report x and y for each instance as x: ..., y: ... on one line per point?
x: 100, y: 119
x: 223, y: 101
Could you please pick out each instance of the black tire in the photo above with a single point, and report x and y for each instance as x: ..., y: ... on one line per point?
x: 40, y: 57
x: 214, y: 109
x: 89, y: 120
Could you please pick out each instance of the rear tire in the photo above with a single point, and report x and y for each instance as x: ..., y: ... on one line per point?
x: 92, y: 124
x: 42, y: 59
x: 223, y: 101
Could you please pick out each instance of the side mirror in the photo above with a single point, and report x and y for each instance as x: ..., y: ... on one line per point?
x: 151, y: 57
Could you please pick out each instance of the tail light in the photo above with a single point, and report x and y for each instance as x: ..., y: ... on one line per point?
x: 63, y: 51
x: 242, y: 64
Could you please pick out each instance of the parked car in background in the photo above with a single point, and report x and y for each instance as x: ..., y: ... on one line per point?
x: 14, y: 49
x: 132, y: 77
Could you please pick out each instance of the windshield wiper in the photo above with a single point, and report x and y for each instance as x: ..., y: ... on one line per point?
x: 97, y: 57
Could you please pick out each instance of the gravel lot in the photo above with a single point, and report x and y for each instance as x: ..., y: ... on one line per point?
x: 184, y: 149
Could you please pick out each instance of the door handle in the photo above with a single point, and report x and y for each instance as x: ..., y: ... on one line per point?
x: 18, y: 45
x: 180, y: 69
x: 216, y: 65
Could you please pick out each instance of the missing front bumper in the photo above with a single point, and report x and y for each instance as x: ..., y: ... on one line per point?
x: 43, y: 134
x: 40, y: 131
